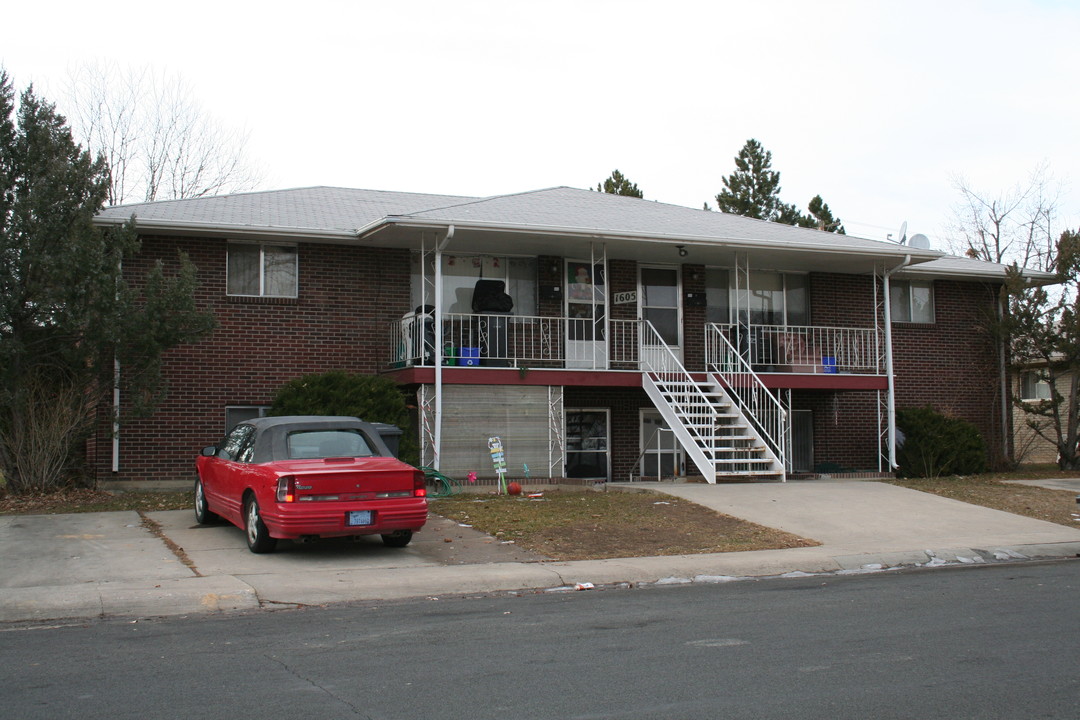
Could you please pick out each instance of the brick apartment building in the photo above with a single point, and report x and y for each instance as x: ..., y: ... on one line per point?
x: 597, y: 336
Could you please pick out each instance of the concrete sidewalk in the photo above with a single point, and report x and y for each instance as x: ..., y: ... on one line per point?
x: 107, y: 564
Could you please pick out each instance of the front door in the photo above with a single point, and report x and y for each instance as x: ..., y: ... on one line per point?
x: 660, y: 304
x: 586, y: 315
x: 588, y: 454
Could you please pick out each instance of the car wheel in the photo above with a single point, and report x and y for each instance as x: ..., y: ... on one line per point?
x: 203, y: 516
x: 258, y: 537
x: 399, y: 539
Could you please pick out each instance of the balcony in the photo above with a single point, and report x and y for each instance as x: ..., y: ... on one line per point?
x: 535, y: 342
x: 802, y: 350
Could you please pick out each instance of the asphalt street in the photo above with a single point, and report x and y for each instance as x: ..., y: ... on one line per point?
x: 992, y: 641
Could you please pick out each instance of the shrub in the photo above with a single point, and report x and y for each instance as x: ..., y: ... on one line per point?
x: 369, y: 397
x: 936, y: 445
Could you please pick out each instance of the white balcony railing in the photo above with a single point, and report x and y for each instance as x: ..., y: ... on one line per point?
x: 521, y: 341
x: 530, y: 341
x: 801, y: 349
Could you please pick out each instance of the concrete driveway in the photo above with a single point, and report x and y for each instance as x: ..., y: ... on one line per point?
x: 108, y: 564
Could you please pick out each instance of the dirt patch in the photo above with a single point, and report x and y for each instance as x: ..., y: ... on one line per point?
x: 79, y: 500
x: 567, y: 525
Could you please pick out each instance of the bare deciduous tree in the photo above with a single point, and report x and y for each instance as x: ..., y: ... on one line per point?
x: 1013, y: 226
x: 158, y: 141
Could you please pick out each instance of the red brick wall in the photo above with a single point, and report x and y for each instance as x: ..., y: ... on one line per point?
x: 949, y: 364
x: 348, y: 297
x: 624, y: 404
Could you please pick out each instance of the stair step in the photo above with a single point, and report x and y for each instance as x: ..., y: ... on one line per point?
x: 750, y: 473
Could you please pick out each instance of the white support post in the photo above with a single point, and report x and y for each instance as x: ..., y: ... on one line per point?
x: 437, y: 350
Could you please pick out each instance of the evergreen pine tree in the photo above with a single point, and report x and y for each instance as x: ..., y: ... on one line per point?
x: 617, y: 184
x: 67, y: 316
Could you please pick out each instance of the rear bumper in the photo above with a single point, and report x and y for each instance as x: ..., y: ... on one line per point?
x: 327, y: 519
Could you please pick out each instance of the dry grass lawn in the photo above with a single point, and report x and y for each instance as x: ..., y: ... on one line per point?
x: 1056, y: 506
x: 573, y: 525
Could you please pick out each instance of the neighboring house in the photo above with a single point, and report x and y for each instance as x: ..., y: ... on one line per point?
x: 1031, y: 388
x: 638, y: 340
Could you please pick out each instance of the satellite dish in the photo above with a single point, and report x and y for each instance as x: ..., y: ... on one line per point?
x: 920, y: 241
x: 903, y: 233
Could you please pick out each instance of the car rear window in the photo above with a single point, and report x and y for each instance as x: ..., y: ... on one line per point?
x: 305, y: 444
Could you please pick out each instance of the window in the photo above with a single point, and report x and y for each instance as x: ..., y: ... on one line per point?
x: 460, y: 273
x: 1033, y: 387
x: 327, y: 444
x: 261, y: 270
x: 239, y: 439
x: 773, y: 298
x: 236, y: 414
x: 912, y: 301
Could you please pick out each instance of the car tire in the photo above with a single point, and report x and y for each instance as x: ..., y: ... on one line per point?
x: 258, y: 537
x: 398, y: 540
x: 203, y: 516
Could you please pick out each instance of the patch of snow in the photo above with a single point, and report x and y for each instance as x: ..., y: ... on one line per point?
x: 673, y: 581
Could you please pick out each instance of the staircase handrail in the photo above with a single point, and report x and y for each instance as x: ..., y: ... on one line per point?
x: 748, y: 391
x: 663, y: 368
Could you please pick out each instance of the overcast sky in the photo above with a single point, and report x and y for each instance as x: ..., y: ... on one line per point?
x: 877, y: 106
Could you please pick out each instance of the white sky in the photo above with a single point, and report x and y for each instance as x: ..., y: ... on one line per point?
x: 876, y: 106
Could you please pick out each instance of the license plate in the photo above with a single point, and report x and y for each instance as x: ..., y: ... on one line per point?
x: 358, y: 517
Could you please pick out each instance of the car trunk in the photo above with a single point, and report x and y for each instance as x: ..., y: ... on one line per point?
x: 350, y: 478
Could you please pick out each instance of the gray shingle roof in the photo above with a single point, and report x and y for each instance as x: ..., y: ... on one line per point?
x: 321, y: 209
x: 603, y: 213
x: 342, y: 212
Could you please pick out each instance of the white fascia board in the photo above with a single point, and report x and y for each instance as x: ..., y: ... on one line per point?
x: 690, y: 241
x: 990, y: 272
x: 252, y: 231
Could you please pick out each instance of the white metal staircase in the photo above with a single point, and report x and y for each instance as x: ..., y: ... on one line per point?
x: 712, y: 419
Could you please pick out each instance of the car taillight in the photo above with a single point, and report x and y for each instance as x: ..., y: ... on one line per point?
x: 286, y: 489
x: 419, y: 486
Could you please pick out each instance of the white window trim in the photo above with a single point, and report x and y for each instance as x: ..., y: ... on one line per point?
x: 262, y: 267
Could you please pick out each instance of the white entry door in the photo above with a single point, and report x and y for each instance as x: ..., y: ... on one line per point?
x: 586, y: 315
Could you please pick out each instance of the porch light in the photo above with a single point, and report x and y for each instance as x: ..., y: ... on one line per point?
x: 682, y: 250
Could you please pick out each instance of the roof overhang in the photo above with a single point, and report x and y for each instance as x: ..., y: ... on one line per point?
x: 524, y: 239
x: 187, y: 228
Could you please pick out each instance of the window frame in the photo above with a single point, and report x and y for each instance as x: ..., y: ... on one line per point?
x: 260, y: 411
x: 523, y: 290
x: 1036, y: 386
x: 910, y: 309
x: 786, y: 294
x: 230, y: 244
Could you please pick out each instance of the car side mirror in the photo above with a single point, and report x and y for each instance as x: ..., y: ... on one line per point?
x: 209, y: 451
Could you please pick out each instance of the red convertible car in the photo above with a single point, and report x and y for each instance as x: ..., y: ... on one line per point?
x: 305, y: 477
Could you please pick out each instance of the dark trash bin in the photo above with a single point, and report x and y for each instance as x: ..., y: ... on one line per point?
x: 391, y: 435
